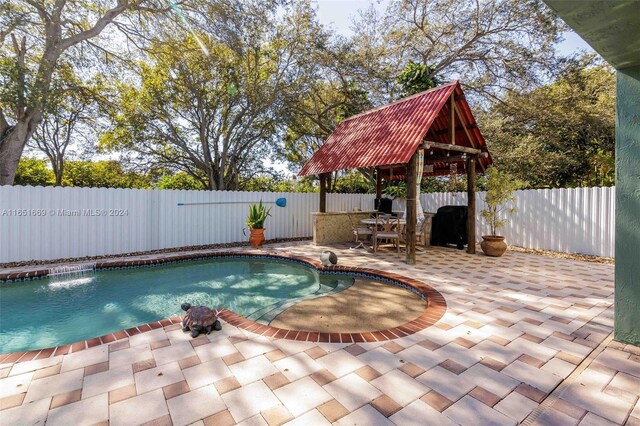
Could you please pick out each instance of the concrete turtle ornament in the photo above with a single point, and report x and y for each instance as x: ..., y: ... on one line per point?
x: 199, y: 319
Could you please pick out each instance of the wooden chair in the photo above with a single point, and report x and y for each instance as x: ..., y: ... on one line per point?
x: 384, y: 231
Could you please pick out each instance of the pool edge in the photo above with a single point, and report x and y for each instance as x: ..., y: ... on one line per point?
x: 436, y: 307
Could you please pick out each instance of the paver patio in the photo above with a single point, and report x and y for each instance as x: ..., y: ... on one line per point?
x: 525, y: 338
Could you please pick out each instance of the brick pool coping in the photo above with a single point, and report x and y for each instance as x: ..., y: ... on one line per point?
x: 436, y: 307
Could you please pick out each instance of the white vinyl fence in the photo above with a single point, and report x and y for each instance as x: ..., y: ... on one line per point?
x: 50, y: 223
x: 576, y: 220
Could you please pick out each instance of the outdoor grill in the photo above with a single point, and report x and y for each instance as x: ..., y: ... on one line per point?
x: 450, y: 226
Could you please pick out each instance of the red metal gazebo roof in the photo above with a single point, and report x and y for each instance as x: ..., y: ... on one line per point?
x: 391, y: 133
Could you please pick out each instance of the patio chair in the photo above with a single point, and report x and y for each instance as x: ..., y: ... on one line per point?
x: 359, y: 230
x: 421, y: 233
x: 384, y: 230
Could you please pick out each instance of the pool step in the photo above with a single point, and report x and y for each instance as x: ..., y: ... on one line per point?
x: 268, y: 313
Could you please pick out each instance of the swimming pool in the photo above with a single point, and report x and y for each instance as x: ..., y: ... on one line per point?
x: 63, y: 309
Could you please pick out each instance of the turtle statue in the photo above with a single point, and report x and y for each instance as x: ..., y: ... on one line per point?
x: 199, y: 319
x: 328, y: 258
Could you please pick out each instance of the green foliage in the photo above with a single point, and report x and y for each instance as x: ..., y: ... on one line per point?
x: 355, y: 101
x: 69, y: 119
x: 276, y: 184
x: 490, y: 45
x: 257, y: 215
x: 34, y: 172
x: 180, y: 180
x: 397, y: 189
x: 37, y: 40
x: 89, y: 174
x: 500, y: 192
x: 102, y: 174
x: 353, y: 182
x: 314, y: 116
x: 559, y: 135
x: 217, y: 113
x: 453, y: 183
x: 415, y: 78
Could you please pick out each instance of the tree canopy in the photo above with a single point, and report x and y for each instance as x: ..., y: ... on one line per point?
x: 561, y: 134
x: 38, y: 38
x: 228, y: 94
x: 211, y: 109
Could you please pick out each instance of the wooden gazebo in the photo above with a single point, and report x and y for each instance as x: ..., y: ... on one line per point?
x: 437, y: 122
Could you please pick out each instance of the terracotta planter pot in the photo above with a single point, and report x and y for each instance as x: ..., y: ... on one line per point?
x: 493, y: 245
x: 257, y: 237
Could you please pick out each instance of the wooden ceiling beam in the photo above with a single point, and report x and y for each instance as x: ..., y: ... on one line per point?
x: 449, y: 147
x: 451, y: 159
x: 392, y: 166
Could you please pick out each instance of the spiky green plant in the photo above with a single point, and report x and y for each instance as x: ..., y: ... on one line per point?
x: 257, y: 215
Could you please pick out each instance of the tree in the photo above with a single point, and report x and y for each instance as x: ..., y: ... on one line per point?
x: 500, y: 189
x: 561, y: 134
x: 277, y: 184
x: 489, y: 45
x: 67, y: 117
x: 33, y: 172
x: 314, y: 117
x: 103, y: 174
x: 210, y: 108
x: 416, y: 78
x: 180, y: 180
x: 354, y: 182
x: 331, y: 94
x: 40, y: 34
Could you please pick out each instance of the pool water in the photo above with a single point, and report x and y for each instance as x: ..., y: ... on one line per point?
x: 64, y: 309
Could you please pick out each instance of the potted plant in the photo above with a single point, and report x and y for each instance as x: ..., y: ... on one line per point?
x: 500, y: 187
x: 255, y: 221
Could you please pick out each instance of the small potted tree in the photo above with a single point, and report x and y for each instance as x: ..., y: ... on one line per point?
x: 255, y: 221
x: 500, y: 187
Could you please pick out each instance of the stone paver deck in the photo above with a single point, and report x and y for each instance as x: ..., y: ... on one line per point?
x: 525, y: 338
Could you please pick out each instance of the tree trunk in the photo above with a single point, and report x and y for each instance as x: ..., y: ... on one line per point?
x: 58, y: 171
x: 12, y: 144
x: 212, y: 177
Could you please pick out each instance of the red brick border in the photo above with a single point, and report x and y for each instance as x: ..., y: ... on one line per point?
x: 436, y: 307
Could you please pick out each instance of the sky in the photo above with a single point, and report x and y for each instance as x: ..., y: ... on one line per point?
x: 338, y: 15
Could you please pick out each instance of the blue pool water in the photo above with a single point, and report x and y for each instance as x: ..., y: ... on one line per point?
x: 60, y: 310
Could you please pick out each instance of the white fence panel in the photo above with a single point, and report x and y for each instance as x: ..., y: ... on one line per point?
x: 576, y: 220
x: 51, y: 223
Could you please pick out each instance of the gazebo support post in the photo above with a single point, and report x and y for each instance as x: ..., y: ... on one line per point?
x: 410, y: 229
x: 378, y: 184
x: 471, y: 204
x: 452, y: 119
x: 323, y: 192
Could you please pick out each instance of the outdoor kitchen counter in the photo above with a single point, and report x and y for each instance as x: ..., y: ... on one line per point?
x: 335, y: 227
